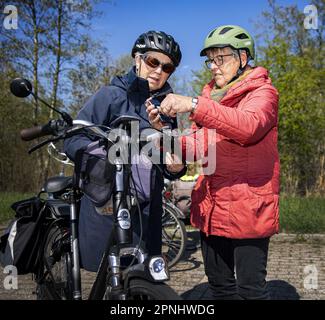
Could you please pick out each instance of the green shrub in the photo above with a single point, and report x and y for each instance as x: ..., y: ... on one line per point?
x: 297, y: 215
x: 302, y: 215
x: 6, y: 199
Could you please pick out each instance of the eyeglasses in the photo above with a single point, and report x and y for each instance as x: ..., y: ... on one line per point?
x: 155, y: 63
x: 217, y: 60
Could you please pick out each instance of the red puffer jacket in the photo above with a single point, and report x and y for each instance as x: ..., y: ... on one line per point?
x: 240, y: 198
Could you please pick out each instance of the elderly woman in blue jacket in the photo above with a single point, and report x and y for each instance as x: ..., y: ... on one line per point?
x: 156, y: 56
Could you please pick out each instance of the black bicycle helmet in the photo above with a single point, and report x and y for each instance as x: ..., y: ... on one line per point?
x: 158, y: 41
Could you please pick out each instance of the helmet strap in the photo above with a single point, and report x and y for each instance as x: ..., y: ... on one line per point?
x: 241, y: 68
x: 138, y: 67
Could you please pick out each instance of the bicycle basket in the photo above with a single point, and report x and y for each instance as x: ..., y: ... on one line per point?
x: 20, y: 243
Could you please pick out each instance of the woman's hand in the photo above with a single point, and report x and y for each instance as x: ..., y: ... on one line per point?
x: 153, y: 115
x: 174, y: 103
x: 173, y: 163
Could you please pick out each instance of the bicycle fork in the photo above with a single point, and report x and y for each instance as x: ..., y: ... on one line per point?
x: 117, y: 290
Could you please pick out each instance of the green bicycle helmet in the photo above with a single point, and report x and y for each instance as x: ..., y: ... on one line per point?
x: 232, y: 36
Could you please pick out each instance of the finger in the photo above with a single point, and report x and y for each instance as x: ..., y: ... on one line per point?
x: 156, y: 120
x: 153, y: 115
x: 148, y: 101
x: 176, y: 159
x: 169, y: 159
x: 164, y: 109
x: 150, y: 107
x: 170, y: 113
x: 174, y: 168
x: 164, y: 106
x: 154, y: 111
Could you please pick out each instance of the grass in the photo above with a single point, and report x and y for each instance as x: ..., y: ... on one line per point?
x: 6, y: 199
x: 297, y: 215
x: 302, y: 215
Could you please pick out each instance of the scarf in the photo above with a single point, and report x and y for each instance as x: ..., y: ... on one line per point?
x: 218, y: 93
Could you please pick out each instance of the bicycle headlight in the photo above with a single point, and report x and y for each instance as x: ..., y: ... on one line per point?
x: 158, y: 268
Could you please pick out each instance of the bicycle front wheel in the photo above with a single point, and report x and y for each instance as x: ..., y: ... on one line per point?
x: 140, y: 289
x: 174, y: 236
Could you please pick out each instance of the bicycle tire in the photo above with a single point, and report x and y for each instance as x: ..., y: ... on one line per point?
x: 56, y: 281
x: 140, y: 289
x: 174, y: 236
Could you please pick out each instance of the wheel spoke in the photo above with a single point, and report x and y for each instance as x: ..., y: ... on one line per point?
x: 173, y: 235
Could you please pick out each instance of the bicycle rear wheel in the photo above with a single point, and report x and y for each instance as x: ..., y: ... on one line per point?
x: 55, y: 282
x: 174, y: 236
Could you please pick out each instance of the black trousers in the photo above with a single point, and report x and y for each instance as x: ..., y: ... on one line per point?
x: 236, y: 268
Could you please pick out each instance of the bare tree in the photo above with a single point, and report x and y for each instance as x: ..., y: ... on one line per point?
x: 42, y: 49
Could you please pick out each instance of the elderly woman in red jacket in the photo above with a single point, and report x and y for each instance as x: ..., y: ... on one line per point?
x: 236, y: 207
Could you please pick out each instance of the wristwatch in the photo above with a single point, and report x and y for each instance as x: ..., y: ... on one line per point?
x: 194, y: 103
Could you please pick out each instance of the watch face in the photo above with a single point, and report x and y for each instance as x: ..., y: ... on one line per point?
x: 194, y: 103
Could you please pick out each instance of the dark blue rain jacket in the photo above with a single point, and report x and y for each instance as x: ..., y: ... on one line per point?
x: 125, y: 96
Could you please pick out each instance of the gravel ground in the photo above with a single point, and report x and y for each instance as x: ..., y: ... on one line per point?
x: 296, y: 270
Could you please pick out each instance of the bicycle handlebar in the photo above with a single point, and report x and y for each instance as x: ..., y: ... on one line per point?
x: 60, y: 129
x: 53, y: 127
x: 36, y: 132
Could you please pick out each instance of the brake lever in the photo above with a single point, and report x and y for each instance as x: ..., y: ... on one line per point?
x: 42, y: 144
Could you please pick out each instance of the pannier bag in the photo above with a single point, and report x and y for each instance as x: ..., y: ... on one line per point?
x: 94, y: 173
x: 20, y: 243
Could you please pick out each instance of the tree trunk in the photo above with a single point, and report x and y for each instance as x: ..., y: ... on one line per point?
x: 56, y: 74
x: 40, y: 157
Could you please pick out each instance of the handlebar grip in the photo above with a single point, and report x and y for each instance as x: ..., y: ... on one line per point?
x: 34, y: 132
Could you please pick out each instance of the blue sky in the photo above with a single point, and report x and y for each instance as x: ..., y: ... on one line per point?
x: 189, y: 21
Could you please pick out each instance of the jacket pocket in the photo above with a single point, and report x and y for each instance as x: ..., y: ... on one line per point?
x: 261, y: 189
x: 202, y: 205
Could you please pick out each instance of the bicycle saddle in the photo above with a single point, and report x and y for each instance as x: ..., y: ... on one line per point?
x: 57, y: 184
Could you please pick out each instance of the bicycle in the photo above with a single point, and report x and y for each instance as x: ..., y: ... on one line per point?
x: 174, y: 235
x: 126, y: 272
